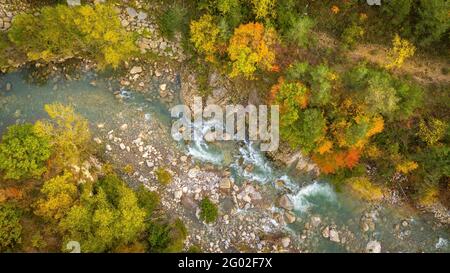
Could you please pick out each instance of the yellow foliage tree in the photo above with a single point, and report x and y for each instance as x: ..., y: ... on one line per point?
x: 69, y: 134
x: 429, y: 197
x: 251, y: 47
x: 433, y: 131
x: 406, y: 167
x: 264, y: 9
x: 324, y: 147
x: 60, y: 194
x: 377, y: 126
x: 402, y: 49
x: 204, y: 35
x: 61, y: 32
x: 363, y: 188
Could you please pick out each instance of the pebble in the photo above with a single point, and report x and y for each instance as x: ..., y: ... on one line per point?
x: 178, y: 194
x: 285, y: 241
x: 131, y: 12
x: 136, y: 70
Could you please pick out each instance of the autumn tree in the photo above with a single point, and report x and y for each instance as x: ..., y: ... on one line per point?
x: 204, y: 35
x: 432, y: 131
x: 402, y: 49
x: 263, y: 9
x: 23, y: 152
x: 251, y: 48
x: 68, y: 133
x: 62, y: 32
x: 59, y: 195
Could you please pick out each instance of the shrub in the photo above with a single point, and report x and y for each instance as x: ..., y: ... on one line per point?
x: 23, y: 152
x: 208, y: 210
x: 10, y: 227
x: 147, y: 200
x: 429, y: 196
x: 352, y: 35
x: 128, y: 169
x: 194, y: 249
x: 164, y: 177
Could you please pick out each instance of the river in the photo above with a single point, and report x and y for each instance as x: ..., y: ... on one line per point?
x: 397, y: 228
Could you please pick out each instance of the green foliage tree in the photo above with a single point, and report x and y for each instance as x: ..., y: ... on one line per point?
x: 380, y: 96
x: 435, y: 162
x: 398, y: 12
x: 147, y: 200
x: 62, y: 32
x: 172, y: 20
x: 10, y: 227
x: 300, y: 31
x: 208, y: 210
x: 107, y: 216
x: 167, y: 237
x: 305, y: 131
x: 23, y: 152
x: 319, y: 78
x: 433, y: 21
x: 382, y: 93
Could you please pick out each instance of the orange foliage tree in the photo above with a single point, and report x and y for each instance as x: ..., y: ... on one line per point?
x: 251, y: 47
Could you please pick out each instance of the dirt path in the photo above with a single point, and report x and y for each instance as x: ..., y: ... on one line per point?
x: 424, y: 69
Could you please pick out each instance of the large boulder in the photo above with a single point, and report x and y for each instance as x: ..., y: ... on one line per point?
x: 73, y: 3
x: 225, y: 184
x: 285, y: 202
x: 136, y: 70
x: 373, y: 247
